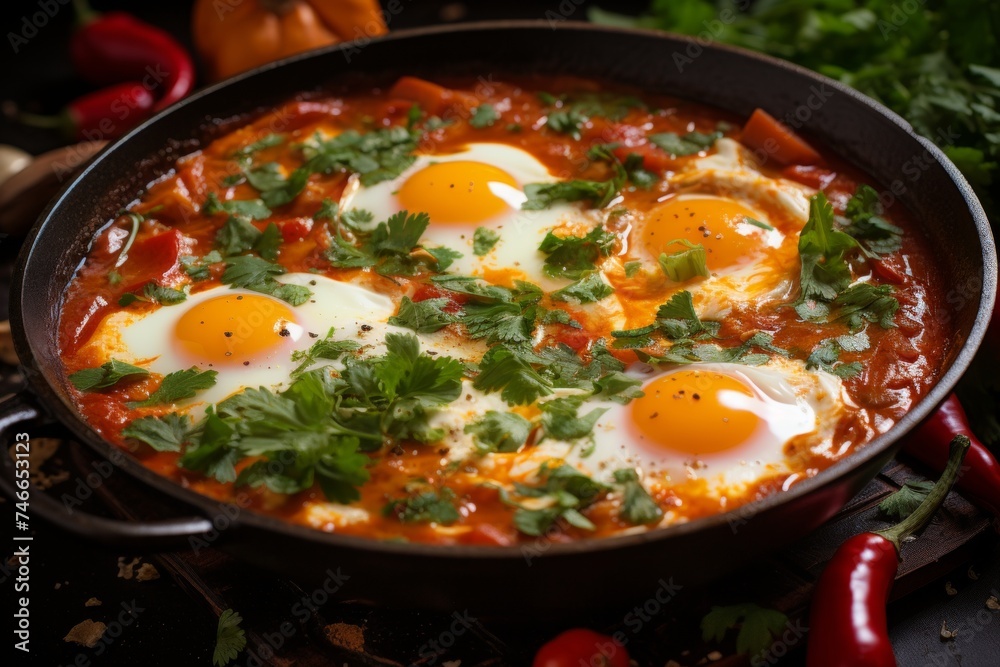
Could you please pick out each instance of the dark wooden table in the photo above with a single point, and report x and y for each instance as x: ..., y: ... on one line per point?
x: 946, y: 575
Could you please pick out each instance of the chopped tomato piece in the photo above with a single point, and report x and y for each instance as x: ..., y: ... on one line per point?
x: 576, y: 339
x: 580, y: 646
x: 766, y: 134
x: 654, y: 158
x: 884, y: 270
x: 295, y: 229
x: 151, y: 258
x: 431, y: 97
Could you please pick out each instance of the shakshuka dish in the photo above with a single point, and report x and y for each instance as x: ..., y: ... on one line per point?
x: 455, y: 312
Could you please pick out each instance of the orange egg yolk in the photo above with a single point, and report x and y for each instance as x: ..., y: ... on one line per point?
x: 695, y: 412
x: 460, y: 191
x: 236, y: 329
x: 718, y: 224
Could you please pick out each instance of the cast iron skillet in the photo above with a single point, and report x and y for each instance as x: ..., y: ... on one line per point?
x: 540, y: 577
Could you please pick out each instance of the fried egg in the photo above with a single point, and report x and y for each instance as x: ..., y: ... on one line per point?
x: 249, y: 338
x: 747, y: 222
x: 721, y: 425
x: 480, y: 186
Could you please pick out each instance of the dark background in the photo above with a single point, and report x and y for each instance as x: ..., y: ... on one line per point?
x: 173, y: 629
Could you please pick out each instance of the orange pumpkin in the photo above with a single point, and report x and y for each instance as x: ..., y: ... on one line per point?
x: 236, y: 35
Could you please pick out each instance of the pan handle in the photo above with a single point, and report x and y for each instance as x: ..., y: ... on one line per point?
x: 165, y: 534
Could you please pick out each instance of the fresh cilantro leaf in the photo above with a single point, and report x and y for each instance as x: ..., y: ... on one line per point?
x: 826, y: 356
x: 212, y: 453
x: 115, y: 278
x: 686, y: 352
x: 560, y: 420
x: 498, y: 322
x: 427, y: 506
x: 484, y: 116
x: 632, y: 269
x: 268, y: 242
x: 864, y: 302
x: 358, y: 219
x: 689, y: 144
x: 254, y: 209
x: 588, y: 289
x: 864, y: 210
x: 376, y: 156
x: 236, y: 236
x: 758, y: 223
x: 328, y: 210
x: 566, y: 121
x: 230, y: 638
x: 518, y: 382
x: 425, y: 316
x: 542, y: 195
x: 686, y: 264
x: 154, y: 293
x: 257, y: 274
x: 106, y: 375
x: 677, y: 318
x: 267, y: 141
x: 823, y: 253
x: 178, y: 386
x: 631, y: 169
x: 572, y: 256
x: 444, y: 257
x: 499, y: 432
x: 387, y: 247
x: 565, y: 491
x: 483, y: 241
x: 632, y: 339
x: 638, y: 507
x: 903, y: 502
x: 164, y: 434
x: 198, y: 268
x: 758, y: 627
x: 618, y: 387
x: 324, y: 348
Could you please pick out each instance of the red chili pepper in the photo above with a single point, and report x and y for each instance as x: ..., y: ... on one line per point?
x: 114, y: 47
x: 580, y: 646
x: 848, y: 618
x: 105, y: 114
x: 980, y: 481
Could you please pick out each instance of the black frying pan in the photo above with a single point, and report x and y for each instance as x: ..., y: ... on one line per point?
x: 537, y: 578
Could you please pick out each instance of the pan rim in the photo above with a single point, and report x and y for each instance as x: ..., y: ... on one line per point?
x: 880, y: 446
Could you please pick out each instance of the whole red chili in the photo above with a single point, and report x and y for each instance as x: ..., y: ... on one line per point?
x: 115, y: 47
x: 105, y: 114
x: 847, y: 620
x: 980, y: 481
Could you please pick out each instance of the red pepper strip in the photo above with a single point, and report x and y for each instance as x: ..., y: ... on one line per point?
x: 848, y: 626
x: 114, y: 47
x: 980, y: 481
x: 105, y: 114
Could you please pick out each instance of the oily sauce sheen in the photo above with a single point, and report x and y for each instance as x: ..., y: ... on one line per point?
x: 719, y: 441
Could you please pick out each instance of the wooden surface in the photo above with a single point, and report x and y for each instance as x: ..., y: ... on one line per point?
x: 355, y: 634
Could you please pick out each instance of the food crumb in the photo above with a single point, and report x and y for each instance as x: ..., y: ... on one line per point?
x: 92, y: 602
x: 993, y: 603
x: 947, y: 634
x: 147, y: 572
x: 126, y: 570
x: 714, y: 655
x: 451, y: 663
x: 949, y: 589
x: 346, y: 636
x: 58, y: 585
x: 86, y: 633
